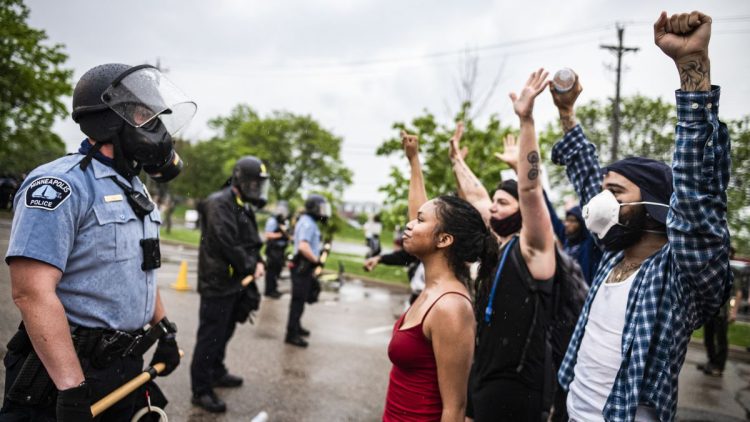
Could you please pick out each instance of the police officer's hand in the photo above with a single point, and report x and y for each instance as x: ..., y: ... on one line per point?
x: 167, y: 353
x: 74, y: 404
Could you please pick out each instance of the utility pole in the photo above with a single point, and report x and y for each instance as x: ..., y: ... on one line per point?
x: 619, y: 50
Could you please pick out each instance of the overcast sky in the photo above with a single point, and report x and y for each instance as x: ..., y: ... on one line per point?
x: 359, y: 66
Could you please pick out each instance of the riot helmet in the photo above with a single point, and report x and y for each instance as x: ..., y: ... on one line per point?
x: 137, y: 109
x: 251, y: 180
x: 282, y: 210
x: 318, y: 207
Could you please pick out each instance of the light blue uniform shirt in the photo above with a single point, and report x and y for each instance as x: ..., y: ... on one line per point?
x: 307, y: 230
x: 80, y: 222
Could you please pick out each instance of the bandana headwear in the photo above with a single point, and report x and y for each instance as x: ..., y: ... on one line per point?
x: 653, y: 178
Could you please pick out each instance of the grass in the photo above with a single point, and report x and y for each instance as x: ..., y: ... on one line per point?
x: 739, y: 334
x: 353, y: 267
x: 351, y: 234
x: 182, y: 235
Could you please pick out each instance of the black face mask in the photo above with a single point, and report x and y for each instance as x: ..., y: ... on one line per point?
x: 506, y: 226
x: 149, y: 147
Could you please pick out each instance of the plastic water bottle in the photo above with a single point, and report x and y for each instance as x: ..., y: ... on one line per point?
x: 260, y: 417
x: 564, y: 80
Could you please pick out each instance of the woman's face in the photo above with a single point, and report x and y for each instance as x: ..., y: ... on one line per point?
x: 420, y: 237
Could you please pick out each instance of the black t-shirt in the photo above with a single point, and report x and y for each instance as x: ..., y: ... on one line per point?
x: 500, y: 343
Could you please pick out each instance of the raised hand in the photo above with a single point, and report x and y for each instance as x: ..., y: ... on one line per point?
x: 510, y: 151
x: 564, y: 101
x: 455, y: 152
x: 685, y: 37
x: 410, y: 143
x: 523, y: 105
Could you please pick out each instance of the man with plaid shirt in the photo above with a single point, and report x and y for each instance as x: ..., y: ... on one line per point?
x: 666, y: 264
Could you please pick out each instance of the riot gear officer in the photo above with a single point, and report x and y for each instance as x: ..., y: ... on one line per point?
x: 82, y: 255
x: 277, y: 239
x: 229, y: 253
x: 307, y: 249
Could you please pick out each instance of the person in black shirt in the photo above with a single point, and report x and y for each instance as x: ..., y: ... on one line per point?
x: 508, y: 375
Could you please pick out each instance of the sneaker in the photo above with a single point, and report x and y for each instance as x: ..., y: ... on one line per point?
x: 228, y: 380
x: 296, y: 341
x: 209, y: 402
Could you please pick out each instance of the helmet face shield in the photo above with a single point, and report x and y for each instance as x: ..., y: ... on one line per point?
x: 254, y: 190
x: 325, y: 209
x: 145, y: 94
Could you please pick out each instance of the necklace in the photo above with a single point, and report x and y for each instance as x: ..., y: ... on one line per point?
x: 622, y: 271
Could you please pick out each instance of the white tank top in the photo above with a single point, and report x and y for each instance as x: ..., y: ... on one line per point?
x: 600, y: 355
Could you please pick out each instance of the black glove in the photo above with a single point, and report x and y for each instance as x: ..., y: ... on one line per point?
x: 167, y: 353
x: 74, y: 404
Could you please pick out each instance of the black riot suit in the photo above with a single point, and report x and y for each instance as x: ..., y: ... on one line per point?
x: 229, y: 252
x: 277, y: 240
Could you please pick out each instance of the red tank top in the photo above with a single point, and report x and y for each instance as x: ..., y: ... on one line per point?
x: 413, y: 392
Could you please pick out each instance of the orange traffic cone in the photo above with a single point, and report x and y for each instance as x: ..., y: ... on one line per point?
x: 181, y: 284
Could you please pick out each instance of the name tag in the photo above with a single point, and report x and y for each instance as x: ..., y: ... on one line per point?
x: 113, y: 198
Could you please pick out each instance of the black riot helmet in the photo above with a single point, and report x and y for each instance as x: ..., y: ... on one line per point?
x: 136, y: 109
x: 251, y: 180
x: 318, y: 207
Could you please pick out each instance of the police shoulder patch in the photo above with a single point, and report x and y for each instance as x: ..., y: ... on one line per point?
x: 47, y: 193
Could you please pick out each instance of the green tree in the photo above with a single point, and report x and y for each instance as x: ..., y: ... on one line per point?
x: 297, y: 151
x: 32, y: 80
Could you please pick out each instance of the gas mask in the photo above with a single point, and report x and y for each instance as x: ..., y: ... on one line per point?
x: 602, y: 217
x: 153, y: 109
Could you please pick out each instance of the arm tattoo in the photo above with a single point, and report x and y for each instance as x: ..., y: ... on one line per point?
x: 695, y: 75
x: 533, y: 159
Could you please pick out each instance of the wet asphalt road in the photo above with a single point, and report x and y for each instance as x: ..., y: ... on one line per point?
x: 343, y: 375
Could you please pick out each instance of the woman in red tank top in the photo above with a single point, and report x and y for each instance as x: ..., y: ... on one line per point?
x: 433, y: 342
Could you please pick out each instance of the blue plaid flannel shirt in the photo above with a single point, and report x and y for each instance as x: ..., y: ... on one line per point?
x: 679, y: 286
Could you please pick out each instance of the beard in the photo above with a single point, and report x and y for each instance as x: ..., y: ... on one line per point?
x: 627, y: 234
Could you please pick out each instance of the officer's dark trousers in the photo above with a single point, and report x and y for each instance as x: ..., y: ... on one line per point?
x: 301, y: 283
x: 715, y: 339
x: 275, y: 265
x: 101, y: 382
x: 216, y: 327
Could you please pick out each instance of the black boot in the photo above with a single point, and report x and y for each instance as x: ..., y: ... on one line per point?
x: 296, y: 340
x: 228, y: 380
x: 209, y: 402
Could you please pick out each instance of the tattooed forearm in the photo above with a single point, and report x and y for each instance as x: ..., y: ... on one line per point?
x: 695, y: 74
x: 533, y: 159
x: 568, y: 121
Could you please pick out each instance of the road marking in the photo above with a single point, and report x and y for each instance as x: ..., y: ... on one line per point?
x: 376, y: 330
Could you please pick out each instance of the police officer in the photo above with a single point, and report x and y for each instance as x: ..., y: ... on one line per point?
x: 277, y: 240
x: 229, y: 253
x: 83, y: 248
x: 307, y: 248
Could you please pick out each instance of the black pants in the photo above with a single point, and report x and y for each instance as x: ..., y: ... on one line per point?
x: 215, y: 328
x: 101, y: 382
x: 505, y: 400
x: 275, y: 263
x: 715, y: 339
x: 301, y: 283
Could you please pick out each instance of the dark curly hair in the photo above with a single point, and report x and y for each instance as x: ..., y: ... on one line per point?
x: 472, y: 239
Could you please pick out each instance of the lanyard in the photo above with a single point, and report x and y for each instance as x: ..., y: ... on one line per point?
x: 488, y: 311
